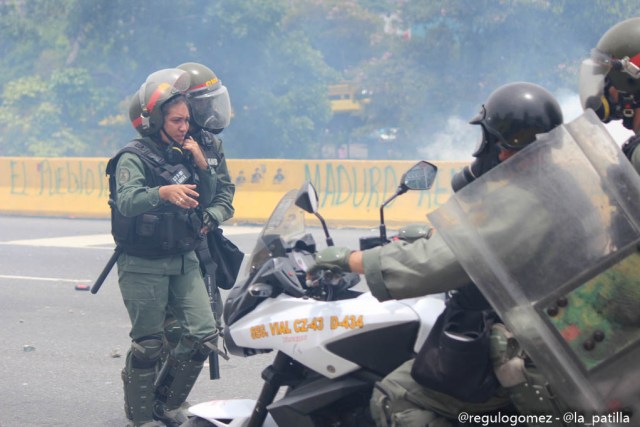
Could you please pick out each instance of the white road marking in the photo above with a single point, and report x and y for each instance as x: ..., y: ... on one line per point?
x: 47, y: 279
x: 99, y: 241
x: 231, y: 230
x: 67, y: 242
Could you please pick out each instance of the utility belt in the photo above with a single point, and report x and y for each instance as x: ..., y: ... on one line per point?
x: 156, y: 234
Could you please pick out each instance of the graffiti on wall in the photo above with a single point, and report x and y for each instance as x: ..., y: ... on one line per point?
x: 347, y: 188
x: 357, y: 186
x: 45, y: 177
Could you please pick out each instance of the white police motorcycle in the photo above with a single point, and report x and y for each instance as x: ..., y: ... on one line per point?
x: 331, y: 343
x: 563, y: 279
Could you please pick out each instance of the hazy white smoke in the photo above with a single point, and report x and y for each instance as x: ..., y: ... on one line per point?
x: 458, y: 139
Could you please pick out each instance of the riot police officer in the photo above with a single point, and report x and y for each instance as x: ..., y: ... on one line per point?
x: 210, y: 110
x: 210, y: 114
x: 156, y: 183
x: 610, y: 81
x: 510, y: 119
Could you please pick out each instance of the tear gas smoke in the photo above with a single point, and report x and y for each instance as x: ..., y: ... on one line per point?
x: 458, y: 140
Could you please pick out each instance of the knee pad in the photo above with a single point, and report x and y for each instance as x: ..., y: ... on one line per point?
x: 202, y: 348
x: 145, y: 352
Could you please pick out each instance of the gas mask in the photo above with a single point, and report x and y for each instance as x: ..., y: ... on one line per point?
x: 486, y: 158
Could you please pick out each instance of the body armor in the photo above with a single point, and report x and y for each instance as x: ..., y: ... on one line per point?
x: 166, y: 230
x: 210, y: 146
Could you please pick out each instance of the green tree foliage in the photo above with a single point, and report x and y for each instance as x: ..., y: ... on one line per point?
x: 344, y: 31
x: 54, y: 116
x: 276, y: 80
x: 68, y: 67
x: 448, y: 56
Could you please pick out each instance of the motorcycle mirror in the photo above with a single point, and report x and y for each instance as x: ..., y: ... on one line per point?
x: 307, y: 200
x: 420, y: 176
x: 260, y: 290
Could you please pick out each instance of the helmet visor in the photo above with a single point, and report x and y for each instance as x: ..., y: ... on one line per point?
x: 517, y: 138
x: 179, y: 80
x: 162, y: 85
x: 211, y: 110
x: 491, y: 135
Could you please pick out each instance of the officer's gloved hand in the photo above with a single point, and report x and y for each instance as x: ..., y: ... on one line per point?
x: 630, y: 146
x: 333, y: 258
x: 412, y: 232
x: 209, y: 223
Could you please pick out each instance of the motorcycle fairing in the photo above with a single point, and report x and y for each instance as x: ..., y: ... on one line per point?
x: 304, y: 328
x: 360, y: 348
x: 406, y: 339
x: 550, y: 237
x: 305, y: 405
x: 228, y: 413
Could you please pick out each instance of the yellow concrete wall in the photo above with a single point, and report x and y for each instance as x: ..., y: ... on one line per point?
x: 350, y: 191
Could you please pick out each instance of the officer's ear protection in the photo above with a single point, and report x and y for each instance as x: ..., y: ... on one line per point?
x: 145, y: 117
x: 622, y: 107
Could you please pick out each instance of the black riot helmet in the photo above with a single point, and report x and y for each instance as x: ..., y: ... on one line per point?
x: 511, y: 118
x: 613, y: 63
x: 515, y: 113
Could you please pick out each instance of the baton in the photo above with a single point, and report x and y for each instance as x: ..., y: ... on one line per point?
x: 105, y: 271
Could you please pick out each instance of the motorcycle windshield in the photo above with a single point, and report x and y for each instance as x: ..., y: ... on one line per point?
x: 285, y: 223
x: 550, y: 237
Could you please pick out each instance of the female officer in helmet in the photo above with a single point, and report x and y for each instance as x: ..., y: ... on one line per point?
x: 156, y: 182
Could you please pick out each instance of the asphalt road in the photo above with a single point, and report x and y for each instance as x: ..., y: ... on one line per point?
x: 62, y: 349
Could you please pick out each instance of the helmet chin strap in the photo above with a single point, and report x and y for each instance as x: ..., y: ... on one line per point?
x: 174, y: 152
x: 172, y: 141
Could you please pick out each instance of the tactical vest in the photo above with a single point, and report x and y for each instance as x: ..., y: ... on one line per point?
x: 210, y: 145
x: 163, y: 231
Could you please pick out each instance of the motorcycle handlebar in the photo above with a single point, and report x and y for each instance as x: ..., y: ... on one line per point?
x: 370, y: 242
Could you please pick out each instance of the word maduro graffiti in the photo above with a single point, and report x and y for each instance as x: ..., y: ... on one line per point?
x: 361, y: 186
x: 299, y: 326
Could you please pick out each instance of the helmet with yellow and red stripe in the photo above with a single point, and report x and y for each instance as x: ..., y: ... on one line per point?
x: 145, y: 108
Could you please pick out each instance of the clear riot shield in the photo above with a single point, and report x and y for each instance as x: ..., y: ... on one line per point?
x: 550, y: 237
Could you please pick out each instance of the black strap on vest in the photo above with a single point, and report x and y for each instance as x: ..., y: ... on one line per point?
x: 172, y: 174
x: 166, y: 230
